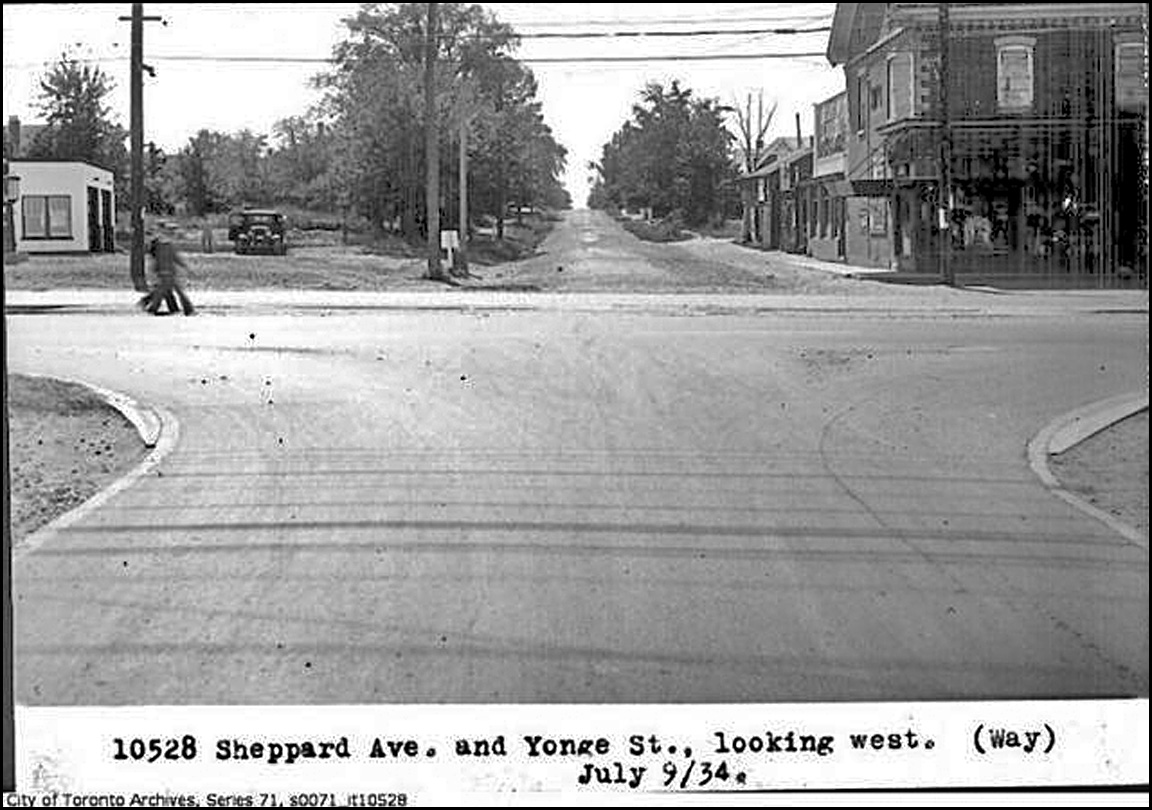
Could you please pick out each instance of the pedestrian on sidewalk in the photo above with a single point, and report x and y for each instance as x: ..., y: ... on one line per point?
x: 165, y: 261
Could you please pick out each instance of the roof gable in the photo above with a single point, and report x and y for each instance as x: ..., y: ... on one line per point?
x: 855, y: 26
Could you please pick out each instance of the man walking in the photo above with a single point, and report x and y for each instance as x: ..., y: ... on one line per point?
x: 165, y: 262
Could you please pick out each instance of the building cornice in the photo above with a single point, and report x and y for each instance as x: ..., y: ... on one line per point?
x: 1010, y: 15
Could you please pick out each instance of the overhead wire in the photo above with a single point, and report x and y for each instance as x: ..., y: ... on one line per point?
x: 575, y: 35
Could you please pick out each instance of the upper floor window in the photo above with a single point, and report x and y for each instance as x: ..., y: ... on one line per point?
x: 1131, y: 72
x: 861, y: 103
x: 899, y: 86
x: 1015, y: 73
x: 876, y: 95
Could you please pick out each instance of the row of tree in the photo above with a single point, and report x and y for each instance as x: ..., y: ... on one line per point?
x: 673, y: 156
x: 361, y: 149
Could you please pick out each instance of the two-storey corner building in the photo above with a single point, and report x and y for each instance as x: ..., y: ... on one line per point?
x: 1047, y: 124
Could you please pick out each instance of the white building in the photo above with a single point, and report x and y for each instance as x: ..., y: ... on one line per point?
x: 64, y: 207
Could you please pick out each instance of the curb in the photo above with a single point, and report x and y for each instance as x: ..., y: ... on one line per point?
x: 1091, y: 419
x: 159, y: 430
x: 1065, y: 432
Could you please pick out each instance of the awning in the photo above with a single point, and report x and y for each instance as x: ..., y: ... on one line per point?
x: 838, y: 188
x: 871, y: 188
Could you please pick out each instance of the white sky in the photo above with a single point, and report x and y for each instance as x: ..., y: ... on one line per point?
x: 584, y: 103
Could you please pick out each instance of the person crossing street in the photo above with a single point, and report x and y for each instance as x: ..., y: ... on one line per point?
x: 165, y: 261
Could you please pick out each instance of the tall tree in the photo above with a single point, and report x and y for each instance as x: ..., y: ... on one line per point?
x: 78, y: 121
x: 300, y: 165
x: 163, y: 186
x: 373, y: 98
x: 752, y: 147
x: 673, y: 156
x: 195, y: 161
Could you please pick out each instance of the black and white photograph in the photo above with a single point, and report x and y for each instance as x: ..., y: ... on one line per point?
x: 499, y: 402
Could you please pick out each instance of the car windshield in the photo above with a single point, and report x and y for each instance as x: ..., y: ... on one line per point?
x: 262, y: 219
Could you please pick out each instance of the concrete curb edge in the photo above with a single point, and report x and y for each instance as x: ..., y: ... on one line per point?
x: 159, y: 430
x: 1069, y: 430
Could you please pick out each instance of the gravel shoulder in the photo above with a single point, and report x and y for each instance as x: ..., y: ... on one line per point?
x: 1110, y: 470
x: 64, y: 445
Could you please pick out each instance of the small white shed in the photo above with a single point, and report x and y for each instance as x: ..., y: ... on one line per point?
x: 64, y: 207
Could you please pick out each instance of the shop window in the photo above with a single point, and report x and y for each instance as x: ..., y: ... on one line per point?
x: 824, y: 213
x: 1014, y: 73
x: 878, y: 217
x: 47, y: 217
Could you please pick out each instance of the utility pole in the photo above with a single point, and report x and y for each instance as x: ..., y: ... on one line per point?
x: 136, y: 124
x: 947, y: 273
x: 432, y: 148
x: 462, y: 250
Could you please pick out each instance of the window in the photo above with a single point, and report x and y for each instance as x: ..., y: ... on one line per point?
x: 47, y: 217
x: 1131, y: 78
x: 861, y: 103
x: 60, y: 217
x: 35, y: 217
x: 876, y: 95
x: 878, y: 217
x: 824, y: 212
x: 831, y: 124
x: 1014, y: 73
x: 899, y: 86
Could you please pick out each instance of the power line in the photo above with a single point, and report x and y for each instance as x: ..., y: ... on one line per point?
x: 699, y: 33
x: 301, y: 60
x: 675, y: 21
x: 670, y: 58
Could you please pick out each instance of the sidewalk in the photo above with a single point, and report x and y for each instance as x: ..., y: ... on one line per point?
x: 879, y: 300
x: 987, y: 281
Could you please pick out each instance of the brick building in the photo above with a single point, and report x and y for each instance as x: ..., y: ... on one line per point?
x: 1048, y: 117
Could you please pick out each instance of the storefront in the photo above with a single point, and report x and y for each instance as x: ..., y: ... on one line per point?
x: 1055, y: 199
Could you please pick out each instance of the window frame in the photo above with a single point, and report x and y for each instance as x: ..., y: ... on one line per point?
x: 863, y: 99
x: 893, y: 92
x: 1004, y: 92
x: 46, y: 219
x: 1129, y: 96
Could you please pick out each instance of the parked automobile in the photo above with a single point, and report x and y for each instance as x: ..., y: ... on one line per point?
x: 254, y: 231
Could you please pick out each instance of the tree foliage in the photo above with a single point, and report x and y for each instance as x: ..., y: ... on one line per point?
x: 673, y: 156
x: 361, y: 150
x: 78, y: 121
x: 374, y: 99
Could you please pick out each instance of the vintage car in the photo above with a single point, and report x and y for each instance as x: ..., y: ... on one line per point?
x: 258, y: 232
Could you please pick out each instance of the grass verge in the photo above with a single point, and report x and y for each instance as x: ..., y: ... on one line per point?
x: 64, y: 445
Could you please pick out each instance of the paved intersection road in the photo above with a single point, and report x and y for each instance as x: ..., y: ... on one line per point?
x: 587, y: 503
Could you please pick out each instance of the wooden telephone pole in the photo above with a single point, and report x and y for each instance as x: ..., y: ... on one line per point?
x: 462, y: 249
x: 432, y: 147
x: 947, y: 272
x: 136, y: 125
